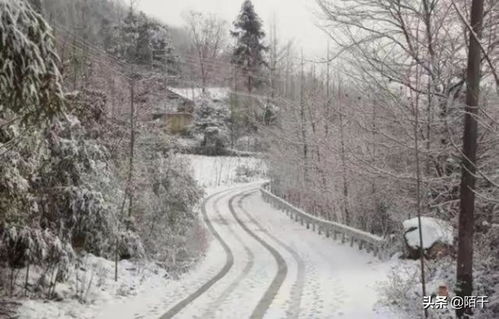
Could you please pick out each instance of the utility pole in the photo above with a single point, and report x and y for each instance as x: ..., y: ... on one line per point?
x: 343, y: 155
x: 302, y: 119
x: 468, y: 169
x: 327, y: 106
x: 132, y: 145
x: 418, y: 200
x: 328, y: 94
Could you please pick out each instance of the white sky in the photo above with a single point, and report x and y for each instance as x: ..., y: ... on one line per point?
x: 295, y: 18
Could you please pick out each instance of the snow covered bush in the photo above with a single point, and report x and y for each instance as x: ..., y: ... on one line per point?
x: 71, y: 204
x: 16, y: 167
x: 211, y: 126
x: 245, y: 173
x: 30, y: 82
x: 64, y: 172
x: 20, y: 246
x: 399, y: 290
x: 56, y: 200
x: 167, y: 209
x: 31, y: 95
x: 130, y: 245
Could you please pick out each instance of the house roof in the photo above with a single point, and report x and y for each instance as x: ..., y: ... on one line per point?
x: 193, y: 94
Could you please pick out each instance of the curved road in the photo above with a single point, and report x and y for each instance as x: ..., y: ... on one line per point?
x: 271, y: 267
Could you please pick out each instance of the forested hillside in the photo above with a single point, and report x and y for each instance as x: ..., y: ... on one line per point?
x: 79, y: 172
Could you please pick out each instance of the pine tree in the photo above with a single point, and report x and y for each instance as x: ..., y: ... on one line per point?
x: 140, y: 40
x: 143, y: 50
x: 163, y: 53
x: 130, y: 41
x: 129, y: 33
x: 248, y: 54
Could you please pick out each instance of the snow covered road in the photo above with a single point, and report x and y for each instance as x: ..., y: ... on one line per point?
x: 258, y: 264
x: 271, y: 267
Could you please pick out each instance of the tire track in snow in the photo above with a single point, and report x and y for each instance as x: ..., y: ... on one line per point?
x: 297, y: 290
x: 279, y: 278
x: 313, y: 301
x: 229, y: 262
x: 212, y: 307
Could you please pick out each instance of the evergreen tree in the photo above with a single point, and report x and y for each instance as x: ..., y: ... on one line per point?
x: 130, y: 40
x: 248, y: 54
x: 163, y: 53
x: 143, y: 41
x: 143, y: 49
x: 107, y: 33
x: 128, y: 35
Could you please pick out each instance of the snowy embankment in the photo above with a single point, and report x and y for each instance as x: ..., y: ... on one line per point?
x: 143, y: 290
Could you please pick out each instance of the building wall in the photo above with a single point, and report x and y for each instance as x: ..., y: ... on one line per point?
x: 178, y: 122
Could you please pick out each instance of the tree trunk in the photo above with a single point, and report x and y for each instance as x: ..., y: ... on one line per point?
x: 343, y: 157
x: 132, y: 147
x: 302, y: 123
x: 467, y: 195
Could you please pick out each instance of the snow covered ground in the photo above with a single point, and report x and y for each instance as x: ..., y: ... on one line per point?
x: 258, y: 264
x: 216, y: 171
x: 142, y: 291
x: 326, y: 279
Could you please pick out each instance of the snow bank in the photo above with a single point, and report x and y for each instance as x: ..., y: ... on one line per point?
x: 434, y: 230
x: 91, y: 287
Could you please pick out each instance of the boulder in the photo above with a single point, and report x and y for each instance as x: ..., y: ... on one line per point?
x: 437, y: 237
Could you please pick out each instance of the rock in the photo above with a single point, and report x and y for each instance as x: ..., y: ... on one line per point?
x: 57, y: 296
x: 439, y: 250
x: 437, y: 238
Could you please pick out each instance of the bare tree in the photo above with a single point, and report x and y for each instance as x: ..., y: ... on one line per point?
x: 208, y: 34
